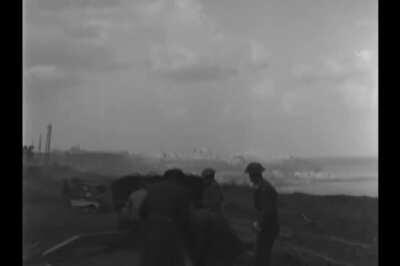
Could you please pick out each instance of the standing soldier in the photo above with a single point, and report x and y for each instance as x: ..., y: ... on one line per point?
x: 217, y: 243
x: 265, y: 202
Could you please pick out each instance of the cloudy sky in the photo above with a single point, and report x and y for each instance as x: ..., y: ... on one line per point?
x: 265, y: 77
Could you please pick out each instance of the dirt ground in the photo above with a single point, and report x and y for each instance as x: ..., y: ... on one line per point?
x: 315, y: 230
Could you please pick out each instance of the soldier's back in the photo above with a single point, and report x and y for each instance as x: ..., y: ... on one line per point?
x: 266, y: 202
x: 166, y: 208
x: 166, y: 198
x: 213, y: 197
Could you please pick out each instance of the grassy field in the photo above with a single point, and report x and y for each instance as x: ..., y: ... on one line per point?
x: 315, y: 230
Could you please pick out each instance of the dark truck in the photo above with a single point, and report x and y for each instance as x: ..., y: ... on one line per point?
x: 83, y: 194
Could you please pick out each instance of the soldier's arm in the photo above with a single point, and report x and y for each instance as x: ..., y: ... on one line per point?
x: 258, y: 206
x: 268, y: 202
x: 260, y: 217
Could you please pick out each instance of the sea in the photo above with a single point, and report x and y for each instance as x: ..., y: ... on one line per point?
x: 338, y: 176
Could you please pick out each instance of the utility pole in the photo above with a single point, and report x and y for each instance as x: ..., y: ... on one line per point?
x: 48, y: 142
x: 40, y: 144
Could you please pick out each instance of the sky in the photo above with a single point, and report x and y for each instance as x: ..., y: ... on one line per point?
x: 267, y: 78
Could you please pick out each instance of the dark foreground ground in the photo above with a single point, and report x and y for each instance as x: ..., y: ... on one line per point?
x: 315, y: 230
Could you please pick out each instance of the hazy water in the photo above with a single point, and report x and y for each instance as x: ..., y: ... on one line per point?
x: 358, y: 177
x: 368, y: 187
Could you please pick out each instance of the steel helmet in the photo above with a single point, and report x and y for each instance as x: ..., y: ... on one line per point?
x: 174, y: 173
x: 208, y: 172
x: 254, y: 167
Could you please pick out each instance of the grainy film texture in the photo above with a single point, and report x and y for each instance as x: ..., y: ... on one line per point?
x: 200, y: 132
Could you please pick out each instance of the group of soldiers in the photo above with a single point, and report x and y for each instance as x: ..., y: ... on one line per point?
x: 180, y: 230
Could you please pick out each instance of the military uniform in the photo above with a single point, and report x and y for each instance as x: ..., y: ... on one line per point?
x: 66, y: 191
x: 131, y: 212
x: 265, y: 202
x: 213, y: 197
x: 166, y: 212
x: 217, y: 243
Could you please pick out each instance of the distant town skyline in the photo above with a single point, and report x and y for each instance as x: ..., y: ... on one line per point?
x: 270, y: 78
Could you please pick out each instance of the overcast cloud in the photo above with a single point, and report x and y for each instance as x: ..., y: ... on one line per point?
x: 272, y: 78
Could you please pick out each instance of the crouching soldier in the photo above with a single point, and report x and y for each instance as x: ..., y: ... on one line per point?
x: 66, y: 191
x: 130, y: 214
x: 265, y: 202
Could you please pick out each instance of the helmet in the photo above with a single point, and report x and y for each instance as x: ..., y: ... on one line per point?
x: 208, y: 172
x: 254, y: 167
x: 174, y: 173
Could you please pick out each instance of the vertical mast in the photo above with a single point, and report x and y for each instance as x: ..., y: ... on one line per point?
x: 40, y: 144
x: 48, y: 141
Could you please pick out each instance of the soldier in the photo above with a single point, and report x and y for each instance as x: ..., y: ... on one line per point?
x: 130, y: 215
x: 217, y: 243
x: 265, y: 202
x: 66, y: 191
x: 166, y: 212
x: 212, y: 195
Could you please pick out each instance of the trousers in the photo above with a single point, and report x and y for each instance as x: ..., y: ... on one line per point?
x: 264, y: 243
x: 165, y: 243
